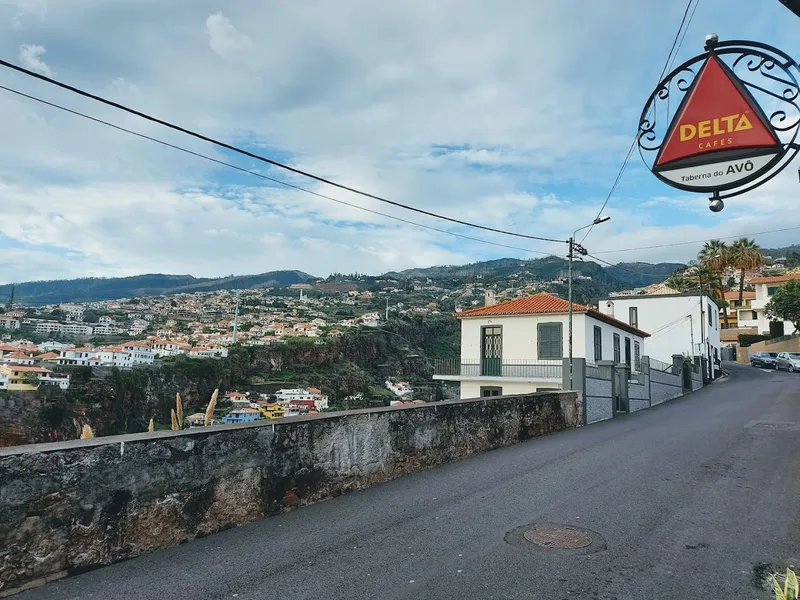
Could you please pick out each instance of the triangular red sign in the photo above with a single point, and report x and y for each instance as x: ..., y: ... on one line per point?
x: 716, y: 114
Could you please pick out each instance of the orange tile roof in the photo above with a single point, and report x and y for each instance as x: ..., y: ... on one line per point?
x: 735, y: 296
x: 529, y: 305
x: 47, y: 356
x: 24, y: 369
x: 544, y: 304
x: 776, y: 279
x: 17, y: 354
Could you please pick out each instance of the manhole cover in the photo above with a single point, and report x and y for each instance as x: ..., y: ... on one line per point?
x: 558, y: 536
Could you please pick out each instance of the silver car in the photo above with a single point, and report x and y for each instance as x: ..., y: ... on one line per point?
x: 789, y: 361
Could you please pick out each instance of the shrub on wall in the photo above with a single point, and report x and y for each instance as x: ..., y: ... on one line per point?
x: 748, y: 339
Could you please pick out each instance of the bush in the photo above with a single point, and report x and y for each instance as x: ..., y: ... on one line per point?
x: 748, y: 339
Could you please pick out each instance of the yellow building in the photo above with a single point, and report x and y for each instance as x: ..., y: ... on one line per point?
x: 272, y: 411
x: 20, y: 377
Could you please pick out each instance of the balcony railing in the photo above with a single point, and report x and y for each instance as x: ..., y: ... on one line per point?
x: 495, y: 367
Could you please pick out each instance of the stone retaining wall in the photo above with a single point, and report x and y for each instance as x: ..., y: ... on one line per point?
x: 72, y: 506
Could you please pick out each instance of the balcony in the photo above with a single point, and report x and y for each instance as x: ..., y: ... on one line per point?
x: 457, y: 370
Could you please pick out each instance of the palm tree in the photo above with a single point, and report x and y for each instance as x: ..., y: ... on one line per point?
x: 745, y: 255
x: 715, y: 258
x: 715, y: 254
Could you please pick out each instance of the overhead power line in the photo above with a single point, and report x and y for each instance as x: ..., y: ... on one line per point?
x: 262, y: 176
x: 674, y: 244
x: 635, y: 137
x: 264, y: 159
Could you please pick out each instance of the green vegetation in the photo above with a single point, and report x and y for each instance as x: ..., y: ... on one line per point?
x: 101, y: 288
x: 785, y: 304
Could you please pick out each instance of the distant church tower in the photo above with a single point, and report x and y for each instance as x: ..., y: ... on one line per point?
x: 490, y: 299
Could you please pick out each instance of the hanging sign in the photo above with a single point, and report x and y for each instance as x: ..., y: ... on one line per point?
x: 720, y: 138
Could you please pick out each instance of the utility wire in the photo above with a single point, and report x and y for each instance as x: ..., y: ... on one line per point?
x: 636, y: 137
x: 269, y: 161
x: 257, y: 174
x: 728, y: 237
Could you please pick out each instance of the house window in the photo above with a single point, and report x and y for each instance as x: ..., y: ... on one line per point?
x: 488, y: 392
x: 771, y: 290
x: 550, y: 340
x: 637, y: 356
x: 755, y: 316
x: 617, y: 358
x: 633, y: 316
x: 598, y: 343
x: 628, y: 351
x: 710, y: 319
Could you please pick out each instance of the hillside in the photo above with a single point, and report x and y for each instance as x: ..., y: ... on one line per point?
x: 109, y: 288
x: 618, y: 277
x: 505, y: 271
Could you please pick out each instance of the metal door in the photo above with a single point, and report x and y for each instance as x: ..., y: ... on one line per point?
x: 491, y: 351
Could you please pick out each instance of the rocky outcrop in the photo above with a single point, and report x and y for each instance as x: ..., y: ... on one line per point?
x: 72, y: 506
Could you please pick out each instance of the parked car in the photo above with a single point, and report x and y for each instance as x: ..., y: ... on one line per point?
x: 789, y: 361
x: 764, y: 359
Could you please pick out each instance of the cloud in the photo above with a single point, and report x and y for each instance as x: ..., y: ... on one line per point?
x: 25, y: 8
x: 515, y: 115
x: 30, y: 56
x: 224, y: 39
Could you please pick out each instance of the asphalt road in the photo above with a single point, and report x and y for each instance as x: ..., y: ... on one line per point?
x: 689, y: 498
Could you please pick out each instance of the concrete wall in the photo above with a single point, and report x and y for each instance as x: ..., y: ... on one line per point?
x: 72, y: 506
x: 664, y: 386
x: 790, y: 345
x: 697, y: 381
x: 638, y: 396
x: 599, y: 403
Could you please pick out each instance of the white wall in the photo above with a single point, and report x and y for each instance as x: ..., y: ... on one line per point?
x: 762, y: 298
x: 608, y: 332
x: 472, y: 389
x: 666, y: 319
x: 519, y: 335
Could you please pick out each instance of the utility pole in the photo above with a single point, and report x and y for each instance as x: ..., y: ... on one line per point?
x: 691, y: 333
x: 702, y: 317
x: 574, y: 246
x: 387, y: 309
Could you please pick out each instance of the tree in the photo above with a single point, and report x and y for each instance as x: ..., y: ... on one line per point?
x: 785, y: 304
x: 715, y: 257
x: 745, y: 255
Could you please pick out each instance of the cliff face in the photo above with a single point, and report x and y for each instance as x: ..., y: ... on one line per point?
x: 116, y: 402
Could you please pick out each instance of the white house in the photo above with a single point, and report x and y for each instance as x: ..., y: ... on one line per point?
x: 518, y: 347
x: 679, y: 323
x: 72, y: 312
x: 86, y: 357
x: 9, y: 322
x: 765, y: 289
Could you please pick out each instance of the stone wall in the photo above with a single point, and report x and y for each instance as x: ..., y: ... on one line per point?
x: 599, y: 404
x: 664, y: 386
x: 71, y: 506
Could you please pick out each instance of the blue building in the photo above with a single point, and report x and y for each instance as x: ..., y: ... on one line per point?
x: 241, y: 415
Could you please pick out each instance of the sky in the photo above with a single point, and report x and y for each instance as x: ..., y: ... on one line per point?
x: 515, y: 114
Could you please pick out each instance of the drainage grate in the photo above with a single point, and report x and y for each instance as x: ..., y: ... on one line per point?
x: 558, y: 536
